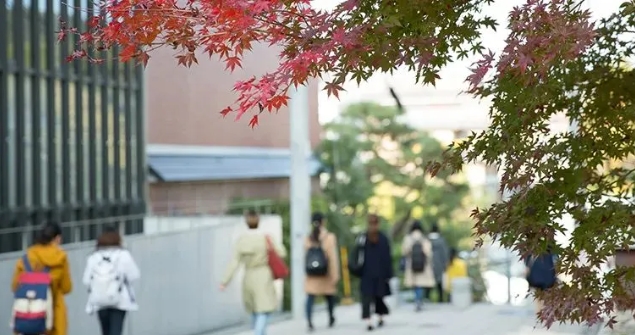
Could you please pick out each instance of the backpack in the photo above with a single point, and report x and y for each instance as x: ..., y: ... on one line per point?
x: 316, y: 262
x: 356, y: 257
x: 418, y: 258
x: 542, y: 272
x: 106, y: 283
x: 33, y: 302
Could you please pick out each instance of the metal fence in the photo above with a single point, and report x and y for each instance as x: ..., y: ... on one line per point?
x: 71, y: 134
x: 76, y: 231
x: 180, y: 271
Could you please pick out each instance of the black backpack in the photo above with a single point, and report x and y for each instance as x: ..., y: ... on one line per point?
x: 542, y: 271
x: 418, y: 258
x: 356, y: 256
x: 316, y: 262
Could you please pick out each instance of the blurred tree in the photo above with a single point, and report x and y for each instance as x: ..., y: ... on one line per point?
x: 375, y: 161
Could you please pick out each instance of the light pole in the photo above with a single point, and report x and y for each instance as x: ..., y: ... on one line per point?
x: 300, y: 192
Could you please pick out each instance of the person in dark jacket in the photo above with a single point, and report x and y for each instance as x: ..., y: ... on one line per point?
x: 541, y: 267
x: 440, y: 260
x: 376, y: 273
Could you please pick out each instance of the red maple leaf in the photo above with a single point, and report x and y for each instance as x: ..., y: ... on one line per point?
x: 333, y: 88
x: 254, y: 121
x: 347, y: 41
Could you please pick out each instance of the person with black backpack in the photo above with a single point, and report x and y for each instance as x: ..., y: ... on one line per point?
x: 541, y: 273
x: 417, y: 251
x: 322, y: 268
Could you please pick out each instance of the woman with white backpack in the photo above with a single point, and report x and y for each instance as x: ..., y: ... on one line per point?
x: 109, y: 272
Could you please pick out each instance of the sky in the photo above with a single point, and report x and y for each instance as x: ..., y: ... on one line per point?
x: 452, y: 82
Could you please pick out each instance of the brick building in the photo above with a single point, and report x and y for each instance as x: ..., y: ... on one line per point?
x: 200, y: 162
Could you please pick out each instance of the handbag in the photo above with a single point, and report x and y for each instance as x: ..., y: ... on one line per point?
x: 356, y: 257
x: 279, y: 269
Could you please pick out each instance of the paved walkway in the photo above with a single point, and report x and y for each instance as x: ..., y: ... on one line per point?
x: 625, y: 325
x: 478, y: 319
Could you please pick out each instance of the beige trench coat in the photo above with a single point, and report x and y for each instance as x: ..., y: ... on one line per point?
x: 425, y: 278
x: 326, y: 285
x: 250, y: 250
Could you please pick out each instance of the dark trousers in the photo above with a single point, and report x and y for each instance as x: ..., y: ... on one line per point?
x: 379, y: 304
x: 440, y: 292
x: 310, y: 301
x: 111, y: 321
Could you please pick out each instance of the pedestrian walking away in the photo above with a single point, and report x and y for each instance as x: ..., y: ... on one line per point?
x: 418, y: 273
x: 456, y: 269
x: 375, y: 274
x: 45, y: 264
x: 252, y: 249
x: 322, y: 268
x: 440, y: 260
x: 109, y: 274
x: 540, y: 271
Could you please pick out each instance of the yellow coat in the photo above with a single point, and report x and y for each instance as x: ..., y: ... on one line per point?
x: 326, y: 285
x: 457, y: 269
x: 53, y: 257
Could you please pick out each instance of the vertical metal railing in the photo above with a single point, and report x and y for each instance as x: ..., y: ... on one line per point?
x: 118, y: 196
x: 52, y: 131
x: 4, y: 122
x: 35, y: 48
x: 78, y: 106
x: 20, y: 111
x: 63, y: 127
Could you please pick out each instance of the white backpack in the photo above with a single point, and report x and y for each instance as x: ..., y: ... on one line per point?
x: 106, y: 282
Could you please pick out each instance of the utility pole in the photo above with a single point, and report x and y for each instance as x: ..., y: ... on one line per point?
x: 300, y: 181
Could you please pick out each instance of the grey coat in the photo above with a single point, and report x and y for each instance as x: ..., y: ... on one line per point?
x: 440, y: 255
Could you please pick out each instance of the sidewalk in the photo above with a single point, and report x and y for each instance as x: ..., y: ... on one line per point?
x: 478, y: 319
x: 625, y: 325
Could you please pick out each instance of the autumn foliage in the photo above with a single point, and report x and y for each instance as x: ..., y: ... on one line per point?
x: 352, y: 41
x: 557, y: 59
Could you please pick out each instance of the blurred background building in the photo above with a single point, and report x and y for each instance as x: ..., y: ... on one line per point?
x: 201, y: 162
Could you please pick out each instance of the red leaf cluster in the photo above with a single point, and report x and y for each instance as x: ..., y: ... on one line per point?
x: 350, y: 41
x: 543, y: 34
x: 225, y: 29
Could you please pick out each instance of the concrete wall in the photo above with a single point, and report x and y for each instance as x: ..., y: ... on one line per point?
x: 182, y: 261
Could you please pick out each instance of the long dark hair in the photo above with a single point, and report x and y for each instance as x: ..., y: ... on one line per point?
x: 252, y: 219
x: 48, y: 233
x: 453, y: 254
x: 317, y: 220
x: 416, y: 225
x: 109, y: 238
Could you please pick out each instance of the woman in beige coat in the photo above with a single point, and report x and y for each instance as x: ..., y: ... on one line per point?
x: 322, y: 285
x: 418, y: 280
x: 259, y: 294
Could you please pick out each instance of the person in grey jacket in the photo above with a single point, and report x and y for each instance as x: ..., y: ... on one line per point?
x: 440, y: 259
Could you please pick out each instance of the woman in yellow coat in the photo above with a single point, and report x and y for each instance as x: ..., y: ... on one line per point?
x: 325, y: 286
x: 456, y: 269
x: 46, y: 252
